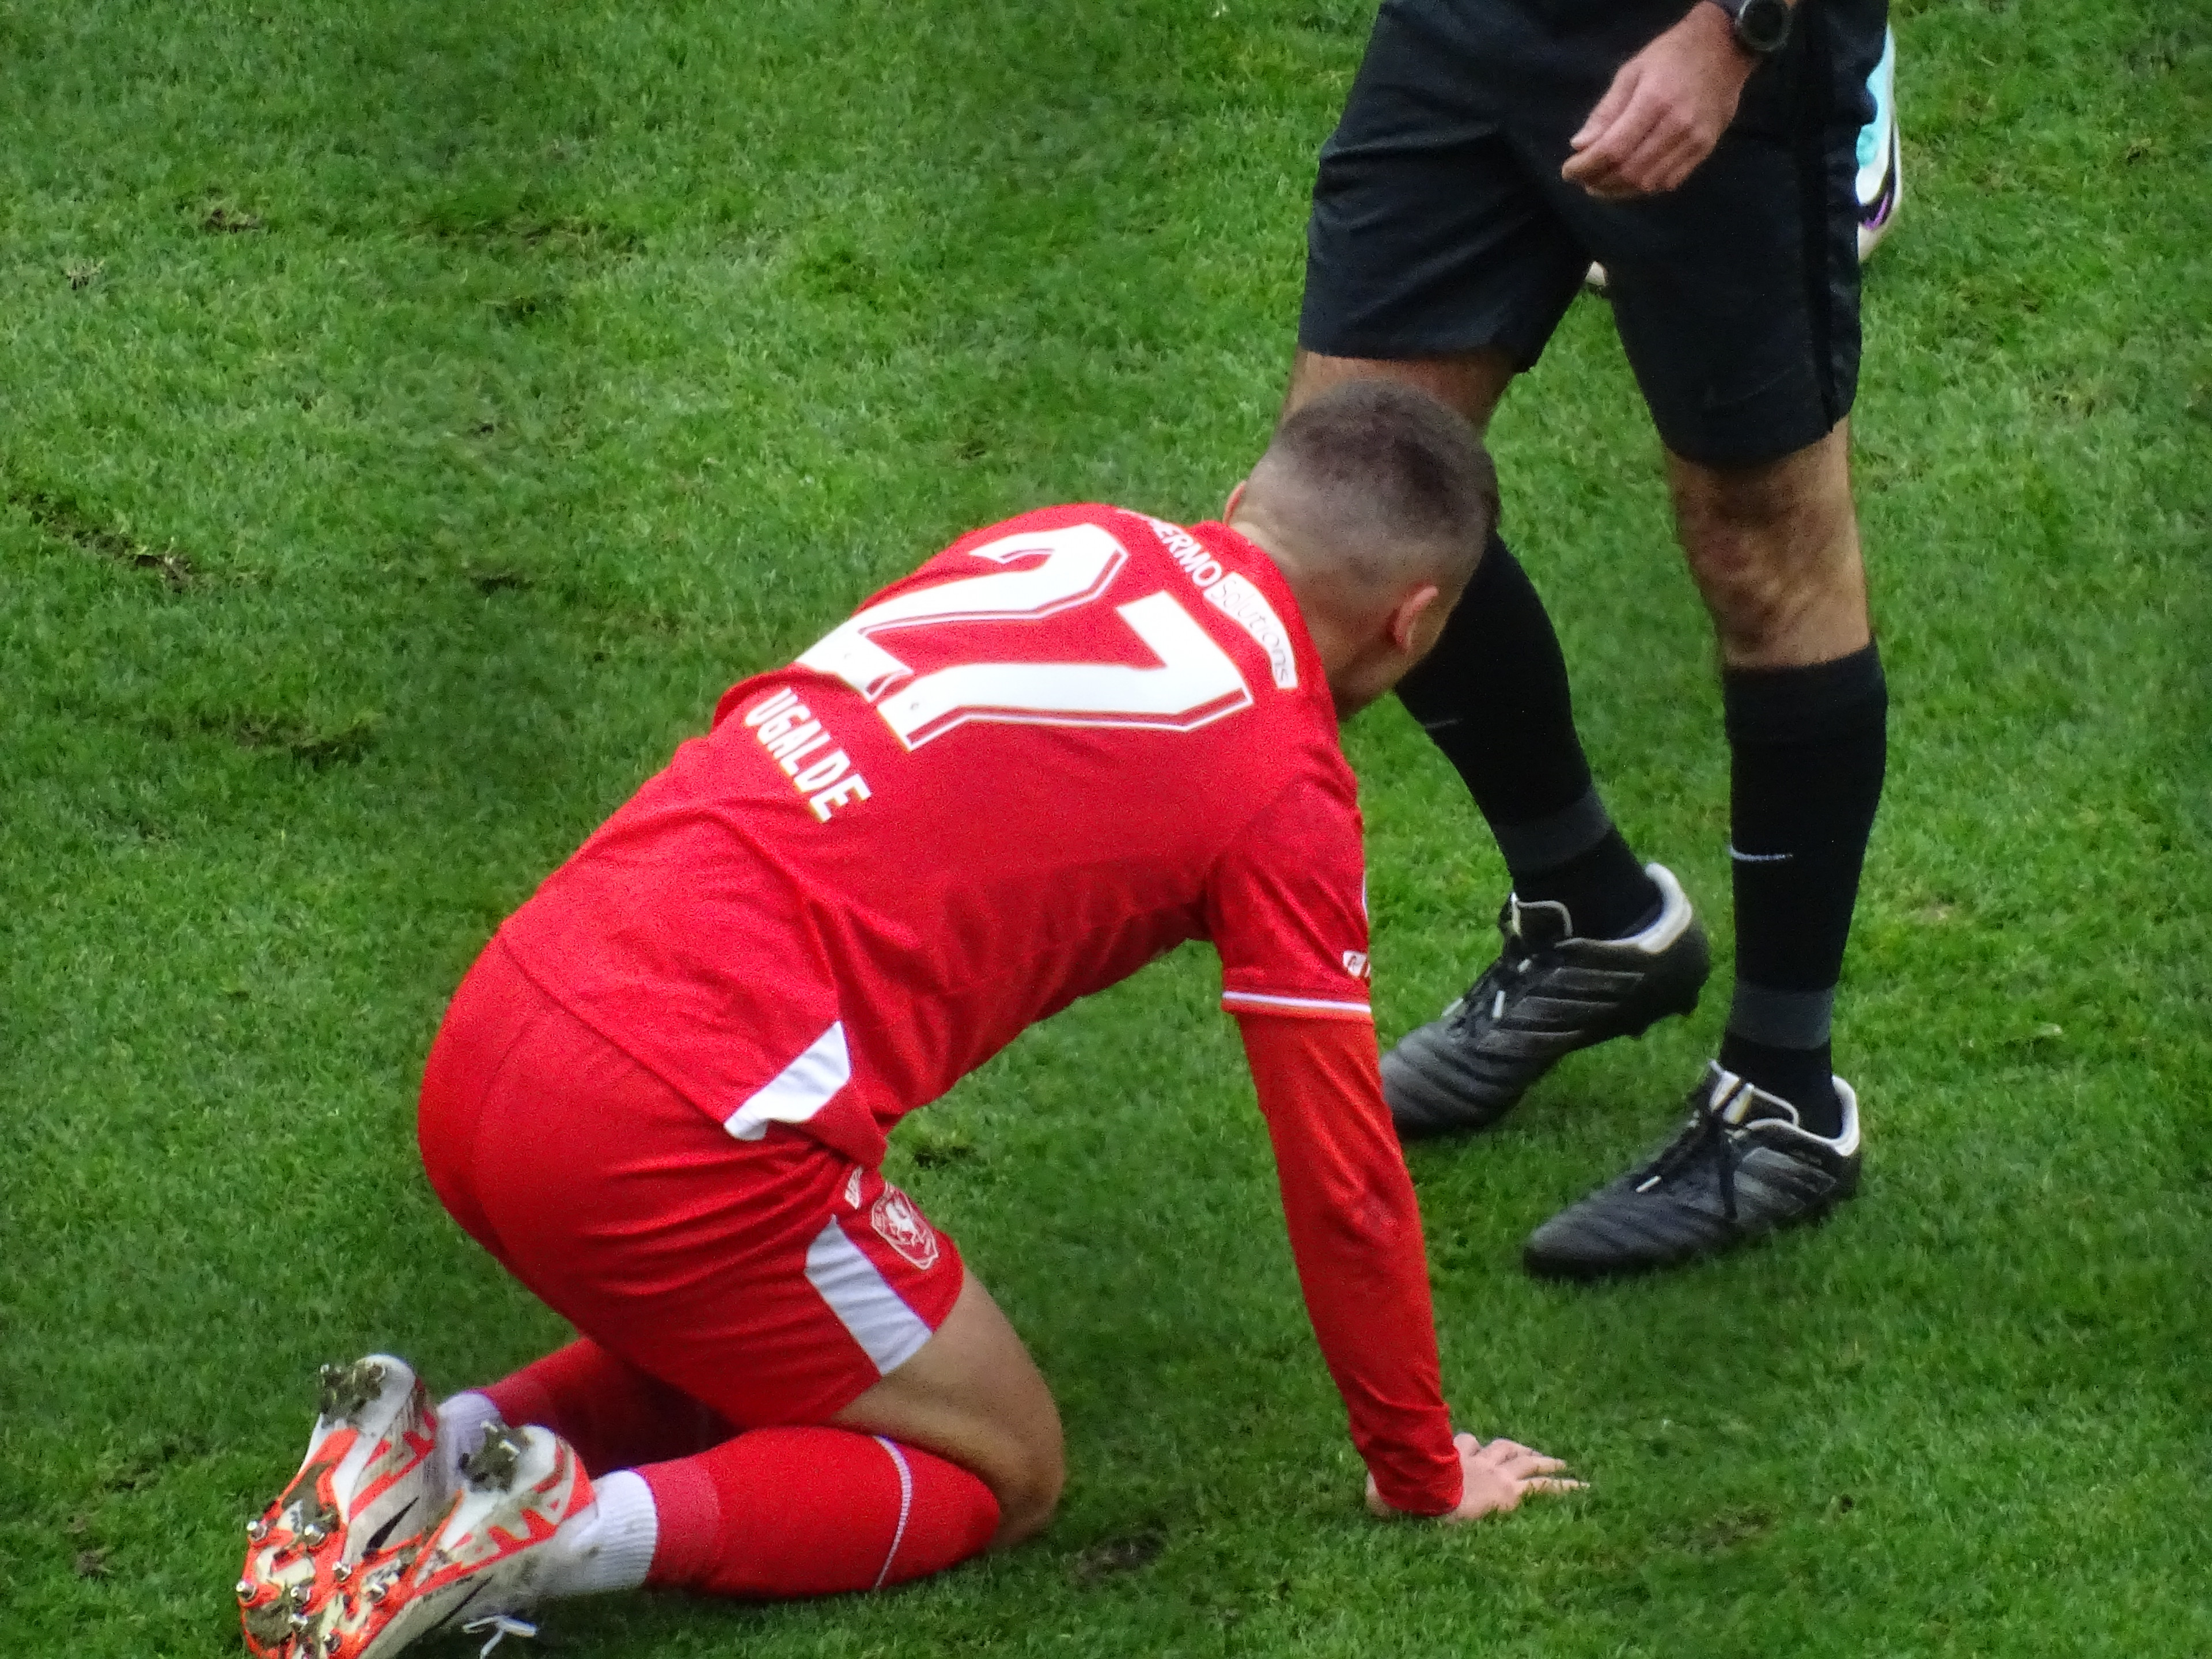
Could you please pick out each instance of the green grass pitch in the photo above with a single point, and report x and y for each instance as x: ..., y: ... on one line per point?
x: 413, y: 415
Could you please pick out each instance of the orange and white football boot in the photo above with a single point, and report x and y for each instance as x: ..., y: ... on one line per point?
x: 372, y: 1477
x: 477, y: 1569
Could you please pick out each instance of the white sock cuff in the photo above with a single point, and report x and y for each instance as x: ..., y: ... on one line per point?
x: 608, y: 1547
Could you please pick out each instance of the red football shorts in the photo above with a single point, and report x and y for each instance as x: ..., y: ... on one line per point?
x: 772, y: 1280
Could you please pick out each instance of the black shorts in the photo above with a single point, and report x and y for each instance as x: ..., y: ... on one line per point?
x: 1441, y: 224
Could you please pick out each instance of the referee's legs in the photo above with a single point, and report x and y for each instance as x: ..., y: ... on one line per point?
x: 1494, y: 696
x: 1775, y: 551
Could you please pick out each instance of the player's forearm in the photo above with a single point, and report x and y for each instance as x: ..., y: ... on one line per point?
x: 1355, y: 1232
x: 1368, y: 1297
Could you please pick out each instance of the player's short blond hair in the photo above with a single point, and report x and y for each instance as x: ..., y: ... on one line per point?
x: 1381, y: 481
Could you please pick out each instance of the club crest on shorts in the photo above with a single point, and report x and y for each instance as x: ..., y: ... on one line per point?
x: 900, y: 1226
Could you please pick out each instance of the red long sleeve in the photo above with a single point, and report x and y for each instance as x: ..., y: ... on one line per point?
x: 1355, y: 1233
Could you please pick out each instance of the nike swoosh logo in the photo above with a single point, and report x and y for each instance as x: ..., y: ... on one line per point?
x: 1759, y: 858
x: 376, y: 1539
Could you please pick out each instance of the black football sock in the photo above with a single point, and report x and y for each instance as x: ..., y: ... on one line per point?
x: 1605, y: 889
x: 1800, y: 1076
x: 1809, y: 746
x: 1493, y: 696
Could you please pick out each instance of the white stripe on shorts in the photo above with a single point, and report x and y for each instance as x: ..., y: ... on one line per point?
x: 888, y: 1332
x: 800, y: 1090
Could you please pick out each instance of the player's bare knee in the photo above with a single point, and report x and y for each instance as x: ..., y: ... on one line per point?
x: 1028, y: 1489
x: 1023, y: 1458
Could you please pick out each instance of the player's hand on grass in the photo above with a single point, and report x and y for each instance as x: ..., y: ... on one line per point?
x: 1665, y: 111
x: 1494, y: 1479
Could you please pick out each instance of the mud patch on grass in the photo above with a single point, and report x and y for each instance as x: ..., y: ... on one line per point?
x: 841, y: 273
x: 224, y: 220
x: 531, y: 308
x: 338, y: 745
x: 1725, y: 1531
x: 942, y: 1154
x: 137, y: 1469
x: 62, y: 517
x: 1339, y: 23
x: 568, y: 235
x: 1115, y: 1556
x: 306, y: 741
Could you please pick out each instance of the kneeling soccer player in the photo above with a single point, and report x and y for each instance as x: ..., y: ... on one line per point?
x: 1064, y: 745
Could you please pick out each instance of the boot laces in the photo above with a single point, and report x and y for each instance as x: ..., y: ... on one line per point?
x: 501, y: 1626
x: 1708, y: 1136
x: 1486, y: 999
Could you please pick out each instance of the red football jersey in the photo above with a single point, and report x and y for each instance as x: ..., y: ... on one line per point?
x: 1062, y: 747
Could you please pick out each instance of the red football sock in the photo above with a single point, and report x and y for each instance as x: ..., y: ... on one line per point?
x: 812, y: 1511
x: 614, y: 1414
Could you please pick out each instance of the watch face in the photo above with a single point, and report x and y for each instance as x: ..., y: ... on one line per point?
x: 1763, y: 25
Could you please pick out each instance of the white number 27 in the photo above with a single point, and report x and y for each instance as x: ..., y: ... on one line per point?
x: 1195, y: 682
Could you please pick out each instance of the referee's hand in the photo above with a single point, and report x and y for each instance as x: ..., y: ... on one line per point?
x: 1664, y: 112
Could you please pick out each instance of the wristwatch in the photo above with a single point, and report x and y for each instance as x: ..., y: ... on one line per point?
x: 1762, y: 27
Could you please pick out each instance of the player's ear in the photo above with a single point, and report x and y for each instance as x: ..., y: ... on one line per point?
x: 1417, y: 619
x: 1235, y: 496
